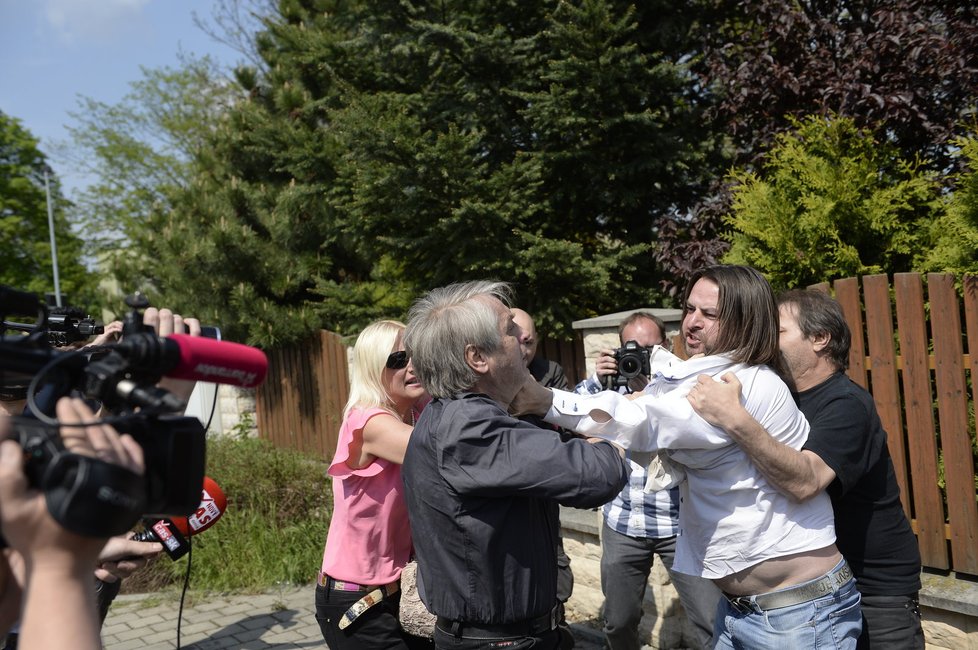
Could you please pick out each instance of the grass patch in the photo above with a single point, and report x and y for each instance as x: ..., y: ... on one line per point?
x: 279, y: 504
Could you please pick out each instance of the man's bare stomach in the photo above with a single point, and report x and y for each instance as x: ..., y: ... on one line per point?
x: 780, y: 573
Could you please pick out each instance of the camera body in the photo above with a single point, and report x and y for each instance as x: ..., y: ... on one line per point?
x: 633, y: 360
x: 64, y: 329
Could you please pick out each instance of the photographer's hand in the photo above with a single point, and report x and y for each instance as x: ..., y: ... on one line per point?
x: 606, y: 364
x: 165, y: 322
x: 111, y: 334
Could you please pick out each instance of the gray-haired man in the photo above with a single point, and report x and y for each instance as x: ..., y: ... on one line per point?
x: 483, y: 487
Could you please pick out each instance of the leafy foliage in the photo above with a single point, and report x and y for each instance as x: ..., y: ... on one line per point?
x: 279, y: 505
x: 906, y: 70
x: 25, y: 242
x: 143, y: 150
x: 954, y: 236
x: 831, y: 202
x: 386, y: 148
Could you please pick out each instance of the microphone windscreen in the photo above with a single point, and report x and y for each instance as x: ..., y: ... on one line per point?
x: 213, y: 503
x: 221, y: 362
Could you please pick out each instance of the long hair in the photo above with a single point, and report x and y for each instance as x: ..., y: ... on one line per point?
x: 440, y: 326
x: 818, y: 313
x: 370, y: 353
x: 747, y: 315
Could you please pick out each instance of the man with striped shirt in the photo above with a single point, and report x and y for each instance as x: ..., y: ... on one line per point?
x: 640, y: 524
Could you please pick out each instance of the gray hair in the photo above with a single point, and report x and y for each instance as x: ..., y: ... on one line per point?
x: 443, y: 323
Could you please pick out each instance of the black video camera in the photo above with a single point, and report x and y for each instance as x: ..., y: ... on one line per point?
x: 83, y: 494
x: 633, y: 360
x: 65, y: 328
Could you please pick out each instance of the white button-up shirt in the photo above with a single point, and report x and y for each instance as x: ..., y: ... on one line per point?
x: 730, y: 517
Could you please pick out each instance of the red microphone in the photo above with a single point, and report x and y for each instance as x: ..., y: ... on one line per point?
x: 172, y: 533
x: 182, y: 356
x: 220, y: 362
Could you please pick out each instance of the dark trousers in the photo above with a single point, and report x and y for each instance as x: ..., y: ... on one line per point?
x: 625, y: 566
x: 376, y: 629
x: 891, y: 622
x: 445, y: 640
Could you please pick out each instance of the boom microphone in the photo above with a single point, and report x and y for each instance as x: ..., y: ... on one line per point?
x: 197, y: 358
x: 172, y: 533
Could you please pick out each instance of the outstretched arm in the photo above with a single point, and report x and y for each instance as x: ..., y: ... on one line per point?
x: 797, y: 474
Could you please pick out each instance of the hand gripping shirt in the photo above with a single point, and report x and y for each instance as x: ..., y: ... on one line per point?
x: 730, y: 517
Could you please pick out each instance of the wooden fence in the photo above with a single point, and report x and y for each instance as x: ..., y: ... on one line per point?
x: 911, y: 350
x: 918, y: 366
x: 569, y: 354
x: 300, y: 404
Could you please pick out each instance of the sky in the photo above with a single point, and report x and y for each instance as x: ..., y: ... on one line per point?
x: 52, y: 51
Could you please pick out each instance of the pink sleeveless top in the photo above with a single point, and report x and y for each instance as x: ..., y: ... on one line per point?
x: 369, y: 539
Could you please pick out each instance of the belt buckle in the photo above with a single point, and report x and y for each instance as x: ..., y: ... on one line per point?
x: 741, y: 603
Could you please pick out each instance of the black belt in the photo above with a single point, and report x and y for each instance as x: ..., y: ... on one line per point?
x: 529, y: 627
x: 794, y: 595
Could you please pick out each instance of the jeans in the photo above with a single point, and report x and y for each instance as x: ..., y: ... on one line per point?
x: 830, y: 621
x: 376, y: 629
x: 625, y: 566
x: 445, y: 640
x: 891, y: 622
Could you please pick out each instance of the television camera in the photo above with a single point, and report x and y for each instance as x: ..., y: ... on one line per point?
x: 84, y: 494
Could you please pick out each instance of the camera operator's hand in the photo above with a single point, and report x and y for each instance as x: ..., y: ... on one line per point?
x: 121, y: 557
x: 165, y: 322
x: 11, y: 588
x: 111, y: 334
x: 58, y: 563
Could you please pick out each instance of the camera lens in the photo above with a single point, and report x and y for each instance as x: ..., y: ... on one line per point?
x: 629, y: 366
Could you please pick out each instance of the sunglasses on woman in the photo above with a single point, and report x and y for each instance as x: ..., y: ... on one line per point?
x: 397, y: 360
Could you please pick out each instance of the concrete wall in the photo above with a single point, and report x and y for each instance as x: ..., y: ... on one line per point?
x: 664, y: 623
x: 233, y: 410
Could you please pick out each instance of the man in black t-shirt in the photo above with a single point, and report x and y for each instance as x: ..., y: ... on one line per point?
x: 846, y: 454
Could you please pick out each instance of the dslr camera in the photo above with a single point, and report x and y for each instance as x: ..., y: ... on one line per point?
x: 633, y: 360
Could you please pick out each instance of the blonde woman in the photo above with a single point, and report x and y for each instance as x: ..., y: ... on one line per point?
x: 369, y: 539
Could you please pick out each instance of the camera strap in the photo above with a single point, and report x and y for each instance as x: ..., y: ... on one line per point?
x: 91, y: 497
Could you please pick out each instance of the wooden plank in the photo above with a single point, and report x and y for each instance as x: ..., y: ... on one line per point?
x: 306, y: 395
x: 928, y: 506
x: 952, y: 402
x: 336, y: 390
x: 847, y: 295
x: 885, y: 379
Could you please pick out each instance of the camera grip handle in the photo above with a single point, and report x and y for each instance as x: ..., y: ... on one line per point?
x: 91, y: 497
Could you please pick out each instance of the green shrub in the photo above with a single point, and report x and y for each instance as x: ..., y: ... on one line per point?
x: 831, y: 202
x: 279, y: 504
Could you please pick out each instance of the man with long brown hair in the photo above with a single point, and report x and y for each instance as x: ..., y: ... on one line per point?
x: 785, y: 583
x: 846, y: 456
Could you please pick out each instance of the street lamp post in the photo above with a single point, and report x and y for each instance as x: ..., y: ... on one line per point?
x: 54, y: 246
